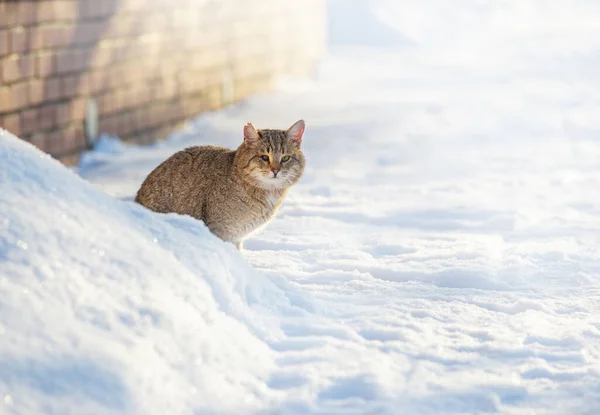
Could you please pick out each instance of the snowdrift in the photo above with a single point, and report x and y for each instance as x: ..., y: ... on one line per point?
x: 106, y: 307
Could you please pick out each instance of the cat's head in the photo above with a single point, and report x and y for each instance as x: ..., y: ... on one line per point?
x: 272, y: 158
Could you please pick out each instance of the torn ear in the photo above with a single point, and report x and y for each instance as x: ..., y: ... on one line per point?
x: 295, y: 133
x: 250, y: 134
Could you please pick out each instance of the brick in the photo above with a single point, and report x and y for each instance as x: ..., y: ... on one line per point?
x: 45, y: 64
x: 66, y: 10
x: 26, y: 14
x: 16, y: 68
x: 122, y: 26
x: 4, y: 43
x: 126, y: 124
x: 105, y: 103
x: 11, y: 70
x: 84, y: 84
x: 128, y: 98
x: 85, y: 9
x: 69, y: 85
x: 6, y: 99
x: 133, y: 5
x: 127, y: 50
x: 12, y: 124
x: 39, y: 36
x: 77, y: 109
x: 50, y: 36
x: 69, y: 61
x: 96, y: 82
x: 118, y: 97
x: 113, y: 77
x: 177, y: 114
x: 29, y: 121
x: 102, y: 56
x: 5, y: 12
x: 140, y: 96
x: 143, y: 138
x: 19, y: 40
x: 82, y: 60
x: 121, y: 75
x: 89, y: 32
x: 132, y: 121
x: 154, y: 116
x: 44, y: 12
x: 110, y: 125
x: 156, y: 113
x: 36, y: 38
x: 166, y: 90
x: 39, y: 140
x: 94, y: 8
x: 142, y: 116
x: 60, y: 142
x: 72, y: 139
x: 54, y: 142
x: 36, y: 92
x: 70, y: 159
x: 60, y: 36
x: 47, y: 117
x: 66, y: 61
x: 13, y: 97
x: 161, y: 114
x: 63, y: 115
x: 143, y: 96
x: 148, y: 136
x: 28, y: 66
x: 52, y: 89
x: 20, y: 95
x: 159, y: 133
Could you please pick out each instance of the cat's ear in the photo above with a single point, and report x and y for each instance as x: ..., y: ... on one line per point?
x: 295, y: 133
x: 251, y: 136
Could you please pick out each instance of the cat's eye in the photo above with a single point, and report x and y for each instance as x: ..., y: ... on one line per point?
x: 285, y: 158
x: 265, y: 157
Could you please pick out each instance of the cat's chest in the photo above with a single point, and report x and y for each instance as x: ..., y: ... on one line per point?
x: 271, y: 202
x: 263, y: 208
x: 262, y: 212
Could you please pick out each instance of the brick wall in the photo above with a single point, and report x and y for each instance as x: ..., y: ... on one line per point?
x: 149, y: 64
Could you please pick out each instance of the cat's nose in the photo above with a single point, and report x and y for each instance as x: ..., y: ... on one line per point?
x: 275, y: 171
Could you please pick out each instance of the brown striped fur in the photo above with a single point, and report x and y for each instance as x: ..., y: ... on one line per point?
x: 234, y: 192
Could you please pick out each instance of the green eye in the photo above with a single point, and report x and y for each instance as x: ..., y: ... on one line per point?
x: 285, y: 158
x: 265, y: 157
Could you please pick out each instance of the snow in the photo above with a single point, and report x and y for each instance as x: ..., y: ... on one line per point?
x: 440, y: 256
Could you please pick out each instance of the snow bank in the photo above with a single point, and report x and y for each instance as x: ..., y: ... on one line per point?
x: 108, y: 308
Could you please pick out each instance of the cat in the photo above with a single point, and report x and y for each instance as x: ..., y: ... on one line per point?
x: 234, y: 192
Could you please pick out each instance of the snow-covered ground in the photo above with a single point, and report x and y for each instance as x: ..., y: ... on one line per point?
x: 440, y: 256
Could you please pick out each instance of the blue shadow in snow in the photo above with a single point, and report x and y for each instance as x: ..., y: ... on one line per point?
x: 67, y: 378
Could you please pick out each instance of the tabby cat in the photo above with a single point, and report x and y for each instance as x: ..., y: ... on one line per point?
x: 234, y: 192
